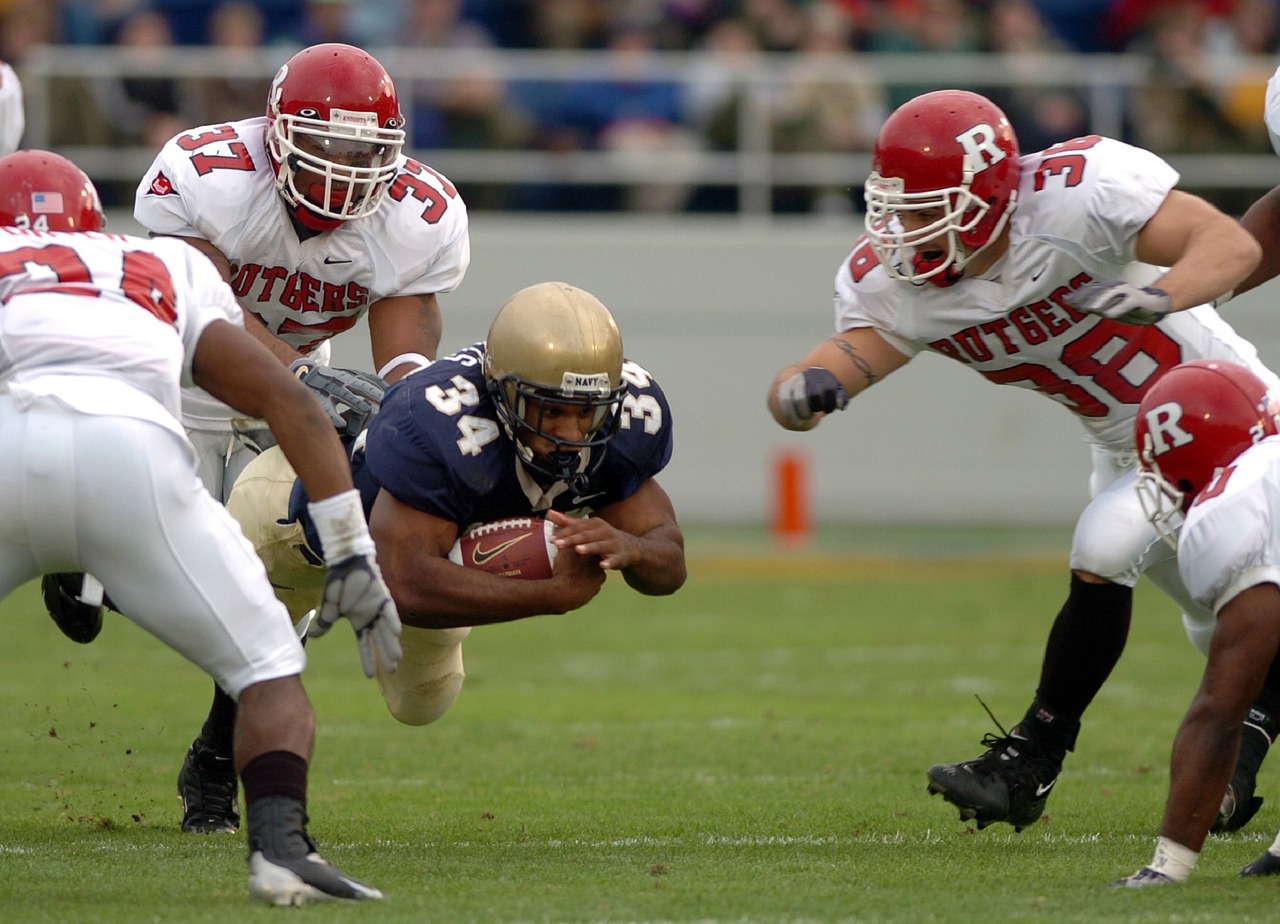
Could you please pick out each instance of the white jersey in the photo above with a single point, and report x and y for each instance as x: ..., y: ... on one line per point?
x: 104, y: 323
x: 1271, y: 110
x: 1231, y: 538
x: 216, y: 183
x: 1080, y: 207
x: 12, y: 116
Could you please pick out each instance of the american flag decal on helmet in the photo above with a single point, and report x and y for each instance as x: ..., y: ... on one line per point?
x: 46, y: 203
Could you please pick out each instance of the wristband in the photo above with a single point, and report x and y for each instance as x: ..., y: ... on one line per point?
x: 340, y: 526
x: 419, y: 361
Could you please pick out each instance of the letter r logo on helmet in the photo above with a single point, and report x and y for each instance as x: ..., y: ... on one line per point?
x: 1164, y: 428
x: 980, y: 144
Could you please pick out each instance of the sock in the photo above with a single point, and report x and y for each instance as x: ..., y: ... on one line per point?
x: 219, y: 728
x: 275, y: 773
x: 1084, y: 645
x: 1046, y: 732
x: 1174, y: 860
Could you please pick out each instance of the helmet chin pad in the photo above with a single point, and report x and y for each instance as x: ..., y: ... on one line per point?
x: 925, y: 264
x: 309, y: 219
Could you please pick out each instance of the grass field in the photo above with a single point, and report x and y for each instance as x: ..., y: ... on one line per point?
x: 750, y: 750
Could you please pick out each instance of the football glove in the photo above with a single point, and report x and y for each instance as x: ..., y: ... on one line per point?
x: 350, y: 397
x: 815, y: 390
x: 1122, y: 301
x: 354, y: 588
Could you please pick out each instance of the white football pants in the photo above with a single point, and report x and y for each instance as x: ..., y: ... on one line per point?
x: 1113, y: 539
x: 119, y: 497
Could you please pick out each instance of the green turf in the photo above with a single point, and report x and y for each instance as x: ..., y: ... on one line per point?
x: 750, y: 750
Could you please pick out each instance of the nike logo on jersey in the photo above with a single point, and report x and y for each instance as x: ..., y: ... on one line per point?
x: 586, y: 497
x: 1045, y: 787
x: 1038, y: 274
x: 480, y: 556
x: 330, y: 261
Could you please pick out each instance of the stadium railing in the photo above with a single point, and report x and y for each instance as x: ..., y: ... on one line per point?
x: 1105, y: 84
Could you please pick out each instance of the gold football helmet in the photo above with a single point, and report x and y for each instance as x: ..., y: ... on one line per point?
x: 552, y: 343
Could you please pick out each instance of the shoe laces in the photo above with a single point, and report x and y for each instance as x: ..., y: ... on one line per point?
x: 216, y: 780
x: 1009, y: 756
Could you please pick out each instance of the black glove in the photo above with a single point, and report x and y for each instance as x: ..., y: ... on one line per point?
x: 354, y: 588
x: 1122, y: 301
x: 350, y: 397
x: 815, y: 390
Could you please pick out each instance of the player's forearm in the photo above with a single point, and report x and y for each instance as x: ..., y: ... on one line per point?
x: 1204, y: 752
x: 1219, y: 256
x: 438, y: 594
x: 1262, y: 220
x: 660, y: 568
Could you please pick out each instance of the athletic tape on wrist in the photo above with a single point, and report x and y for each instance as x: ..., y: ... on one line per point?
x: 341, y: 526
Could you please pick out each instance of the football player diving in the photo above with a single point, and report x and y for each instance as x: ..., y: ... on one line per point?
x: 544, y: 418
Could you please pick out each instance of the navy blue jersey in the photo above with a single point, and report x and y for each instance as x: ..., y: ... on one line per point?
x: 436, y: 444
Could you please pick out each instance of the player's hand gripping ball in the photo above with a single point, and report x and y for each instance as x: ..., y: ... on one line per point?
x: 519, y: 547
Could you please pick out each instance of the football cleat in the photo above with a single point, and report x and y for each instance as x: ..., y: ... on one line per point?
x: 75, y: 603
x: 1266, y: 865
x: 285, y: 866
x: 1235, y: 812
x: 1004, y: 784
x: 1144, y: 878
x: 1239, y: 805
x: 208, y: 788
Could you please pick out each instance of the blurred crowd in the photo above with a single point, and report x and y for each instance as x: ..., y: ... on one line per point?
x: 1204, y: 93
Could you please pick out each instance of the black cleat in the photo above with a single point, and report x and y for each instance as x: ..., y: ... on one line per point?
x: 76, y: 614
x: 208, y: 788
x: 285, y: 866
x: 1005, y: 784
x: 1239, y: 805
x: 1266, y: 865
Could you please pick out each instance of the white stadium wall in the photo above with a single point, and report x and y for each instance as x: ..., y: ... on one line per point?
x: 713, y: 307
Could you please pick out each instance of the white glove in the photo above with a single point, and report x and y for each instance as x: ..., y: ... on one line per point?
x: 815, y: 390
x: 353, y: 588
x: 1122, y: 301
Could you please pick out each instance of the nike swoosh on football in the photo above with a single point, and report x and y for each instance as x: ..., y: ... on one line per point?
x: 480, y: 556
x: 1045, y: 787
x: 329, y: 261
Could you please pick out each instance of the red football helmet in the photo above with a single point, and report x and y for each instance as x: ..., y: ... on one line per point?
x: 46, y: 192
x: 951, y: 151
x: 334, y: 134
x: 1193, y: 422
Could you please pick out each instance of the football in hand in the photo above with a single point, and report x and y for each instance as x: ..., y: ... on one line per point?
x: 519, y: 547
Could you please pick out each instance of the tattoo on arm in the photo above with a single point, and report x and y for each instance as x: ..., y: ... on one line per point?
x: 862, y: 366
